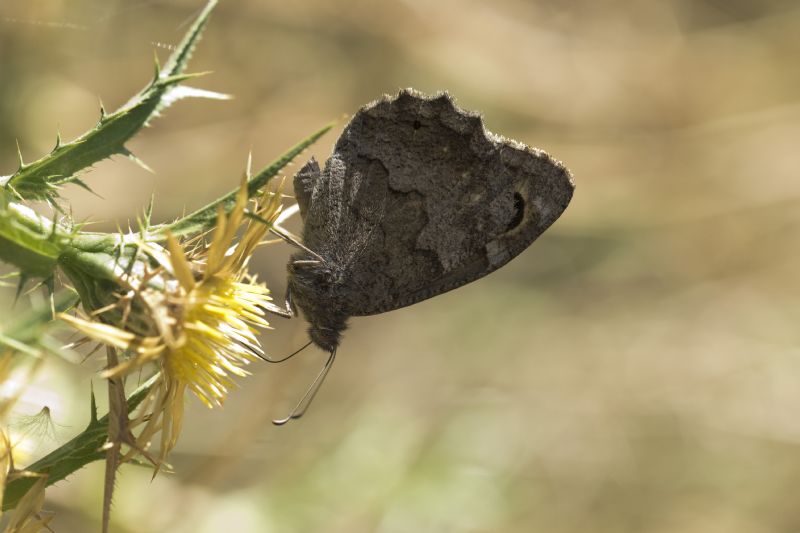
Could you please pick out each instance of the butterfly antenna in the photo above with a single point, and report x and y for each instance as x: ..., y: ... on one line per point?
x: 281, y: 360
x: 302, y: 406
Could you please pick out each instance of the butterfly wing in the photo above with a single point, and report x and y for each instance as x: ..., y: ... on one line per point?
x: 418, y: 199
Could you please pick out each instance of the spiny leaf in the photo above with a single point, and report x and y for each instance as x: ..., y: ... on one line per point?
x: 72, y: 456
x: 205, y: 217
x: 14, y: 345
x: 83, y: 185
x: 92, y: 407
x: 130, y: 155
x: 19, y: 156
x: 27, y: 333
x: 27, y: 240
x: 23, y: 280
x: 148, y: 213
x: 9, y: 276
x: 40, y: 180
x: 178, y: 60
x: 201, y: 220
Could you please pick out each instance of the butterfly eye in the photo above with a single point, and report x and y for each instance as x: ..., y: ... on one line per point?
x: 417, y: 124
x: 519, y: 212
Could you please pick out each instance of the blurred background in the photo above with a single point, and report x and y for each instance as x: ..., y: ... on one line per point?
x: 637, y: 369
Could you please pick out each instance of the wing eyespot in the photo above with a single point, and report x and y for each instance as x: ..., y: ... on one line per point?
x: 519, y: 212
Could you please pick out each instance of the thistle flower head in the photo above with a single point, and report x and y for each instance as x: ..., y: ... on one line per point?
x: 205, y: 310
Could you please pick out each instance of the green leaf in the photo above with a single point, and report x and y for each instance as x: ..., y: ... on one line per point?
x: 27, y: 240
x: 28, y: 333
x: 41, y: 179
x: 178, y: 60
x: 206, y: 217
x: 73, y: 455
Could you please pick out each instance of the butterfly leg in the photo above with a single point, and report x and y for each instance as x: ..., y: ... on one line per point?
x: 288, y: 311
x: 277, y: 310
x: 288, y: 302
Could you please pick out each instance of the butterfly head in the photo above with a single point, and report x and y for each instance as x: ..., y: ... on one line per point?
x: 312, y: 287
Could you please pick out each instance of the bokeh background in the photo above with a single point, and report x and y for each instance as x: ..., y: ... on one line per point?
x: 637, y: 369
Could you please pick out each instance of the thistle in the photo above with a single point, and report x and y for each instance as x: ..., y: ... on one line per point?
x: 205, y: 311
x: 174, y: 301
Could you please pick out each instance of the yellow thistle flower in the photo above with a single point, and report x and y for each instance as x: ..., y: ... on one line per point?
x: 206, y: 317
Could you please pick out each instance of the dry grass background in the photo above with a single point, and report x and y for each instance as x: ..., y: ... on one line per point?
x: 636, y: 370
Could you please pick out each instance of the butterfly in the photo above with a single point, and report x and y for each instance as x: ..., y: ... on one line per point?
x: 416, y: 199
